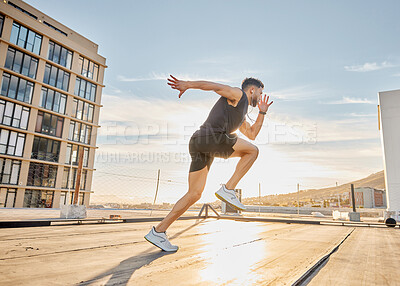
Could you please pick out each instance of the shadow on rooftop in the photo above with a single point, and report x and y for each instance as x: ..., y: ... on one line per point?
x: 121, y: 274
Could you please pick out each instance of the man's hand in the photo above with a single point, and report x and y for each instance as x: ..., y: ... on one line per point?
x: 263, y: 105
x: 180, y: 85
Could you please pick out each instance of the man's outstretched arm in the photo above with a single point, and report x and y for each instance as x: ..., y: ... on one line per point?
x: 251, y: 131
x: 231, y: 93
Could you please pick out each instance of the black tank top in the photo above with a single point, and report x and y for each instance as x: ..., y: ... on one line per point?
x: 224, y: 118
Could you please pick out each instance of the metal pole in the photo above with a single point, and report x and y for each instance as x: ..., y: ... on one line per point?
x: 78, y: 176
x: 298, y: 200
x: 155, y: 197
x: 353, y: 198
x: 259, y: 199
x: 338, y: 197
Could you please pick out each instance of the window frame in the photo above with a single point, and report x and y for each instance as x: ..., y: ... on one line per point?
x: 13, y: 163
x: 7, y: 145
x: 9, y: 190
x: 39, y: 194
x: 53, y: 73
x: 1, y: 24
x: 66, y: 178
x: 51, y: 54
x: 44, y: 95
x: 40, y: 180
x: 53, y: 145
x: 8, y: 79
x: 24, y: 110
x: 70, y: 158
x: 85, y: 62
x: 79, y: 131
x: 26, y: 36
x: 41, y: 119
x: 87, y: 111
x: 81, y: 89
x: 13, y: 54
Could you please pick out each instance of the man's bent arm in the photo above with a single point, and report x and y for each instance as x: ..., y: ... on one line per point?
x: 251, y: 131
x: 231, y: 93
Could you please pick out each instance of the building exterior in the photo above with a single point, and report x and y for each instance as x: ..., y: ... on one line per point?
x: 369, y: 198
x: 51, y: 83
x: 389, y: 120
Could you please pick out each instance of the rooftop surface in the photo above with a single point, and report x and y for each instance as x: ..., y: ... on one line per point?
x: 212, y: 252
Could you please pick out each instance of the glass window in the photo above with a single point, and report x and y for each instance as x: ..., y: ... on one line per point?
x: 63, y: 198
x: 81, y: 198
x: 21, y: 9
x: 1, y: 24
x: 88, y: 68
x: 9, y: 171
x: 55, y: 28
x: 38, y: 199
x: 13, y: 114
x: 11, y: 195
x: 72, y: 155
x: 17, y: 88
x: 42, y: 175
x: 59, y: 55
x: 45, y: 149
x: 56, y: 77
x: 79, y: 132
x: 69, y: 178
x: 21, y: 63
x: 49, y: 124
x: 85, y: 89
x: 53, y: 100
x: 11, y: 142
x: 82, y: 110
x: 26, y: 38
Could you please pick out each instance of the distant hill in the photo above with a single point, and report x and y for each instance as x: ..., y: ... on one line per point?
x: 376, y: 181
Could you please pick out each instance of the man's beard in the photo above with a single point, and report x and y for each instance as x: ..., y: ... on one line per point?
x: 254, y: 102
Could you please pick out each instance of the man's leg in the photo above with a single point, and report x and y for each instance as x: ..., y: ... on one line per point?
x: 197, y: 182
x: 248, y: 154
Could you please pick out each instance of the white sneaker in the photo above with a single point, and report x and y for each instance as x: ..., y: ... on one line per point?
x: 229, y: 197
x: 160, y: 240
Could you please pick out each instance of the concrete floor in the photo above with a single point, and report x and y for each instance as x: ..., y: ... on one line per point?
x: 368, y: 257
x: 212, y: 252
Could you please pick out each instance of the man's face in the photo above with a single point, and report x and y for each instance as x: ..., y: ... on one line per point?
x: 256, y: 93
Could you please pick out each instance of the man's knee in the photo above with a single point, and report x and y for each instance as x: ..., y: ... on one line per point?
x: 195, y: 195
x: 254, y: 152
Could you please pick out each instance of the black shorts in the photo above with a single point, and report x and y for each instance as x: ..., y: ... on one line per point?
x: 203, y: 149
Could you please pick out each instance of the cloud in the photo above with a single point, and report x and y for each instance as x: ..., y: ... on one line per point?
x: 153, y: 76
x: 363, y: 115
x: 350, y: 100
x: 135, y: 120
x: 367, y: 67
x: 296, y: 93
x: 396, y: 74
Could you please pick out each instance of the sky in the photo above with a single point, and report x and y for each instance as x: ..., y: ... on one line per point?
x: 322, y: 63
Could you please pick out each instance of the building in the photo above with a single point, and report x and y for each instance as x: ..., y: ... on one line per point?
x: 367, y: 197
x: 51, y: 84
x: 389, y: 120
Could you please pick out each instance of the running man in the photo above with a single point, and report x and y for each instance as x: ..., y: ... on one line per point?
x: 215, y: 138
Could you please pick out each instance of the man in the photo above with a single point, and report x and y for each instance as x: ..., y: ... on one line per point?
x: 215, y: 138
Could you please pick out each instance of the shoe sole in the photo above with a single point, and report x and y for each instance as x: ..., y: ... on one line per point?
x: 224, y: 200
x: 159, y: 246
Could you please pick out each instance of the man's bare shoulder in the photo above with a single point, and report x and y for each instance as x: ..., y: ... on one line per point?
x: 236, y: 94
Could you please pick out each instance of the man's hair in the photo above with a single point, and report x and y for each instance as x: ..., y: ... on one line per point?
x: 250, y: 81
